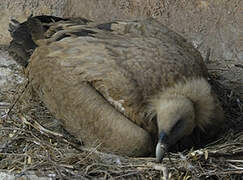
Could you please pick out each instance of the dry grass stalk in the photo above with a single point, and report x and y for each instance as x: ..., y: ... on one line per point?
x: 33, y: 141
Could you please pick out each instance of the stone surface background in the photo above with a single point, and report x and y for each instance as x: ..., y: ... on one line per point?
x: 208, y: 24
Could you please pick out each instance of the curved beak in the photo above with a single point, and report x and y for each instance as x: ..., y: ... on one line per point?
x: 162, y: 147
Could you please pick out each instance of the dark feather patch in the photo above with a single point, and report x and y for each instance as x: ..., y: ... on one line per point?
x: 62, y: 36
x: 49, y: 19
x: 106, y: 26
x: 83, y: 32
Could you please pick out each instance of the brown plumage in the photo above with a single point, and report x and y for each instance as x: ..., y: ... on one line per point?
x: 123, y: 83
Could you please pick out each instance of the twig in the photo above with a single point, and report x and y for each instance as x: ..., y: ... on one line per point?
x: 126, y: 175
x: 40, y: 128
x: 207, y: 58
x: 18, y: 98
x: 239, y: 65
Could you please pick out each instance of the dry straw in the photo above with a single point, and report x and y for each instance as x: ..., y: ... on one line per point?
x: 32, y: 140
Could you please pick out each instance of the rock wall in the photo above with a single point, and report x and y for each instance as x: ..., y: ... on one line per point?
x: 215, y: 25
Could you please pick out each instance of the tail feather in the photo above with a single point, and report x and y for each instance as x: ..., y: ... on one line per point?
x: 25, y: 34
x: 22, y: 43
x: 13, y: 25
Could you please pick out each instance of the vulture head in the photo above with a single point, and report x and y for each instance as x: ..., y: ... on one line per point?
x: 183, y: 108
x: 176, y: 119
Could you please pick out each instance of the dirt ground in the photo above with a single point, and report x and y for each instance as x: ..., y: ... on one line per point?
x: 215, y: 28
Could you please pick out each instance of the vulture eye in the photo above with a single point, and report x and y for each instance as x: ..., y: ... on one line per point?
x: 177, y: 127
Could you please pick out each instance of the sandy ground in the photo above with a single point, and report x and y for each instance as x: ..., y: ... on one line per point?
x: 10, y: 78
x: 7, y: 176
x: 9, y: 71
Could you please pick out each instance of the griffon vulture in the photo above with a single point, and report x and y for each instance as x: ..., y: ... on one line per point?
x: 132, y: 86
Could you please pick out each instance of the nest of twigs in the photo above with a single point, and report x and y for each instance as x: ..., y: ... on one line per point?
x: 32, y: 140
